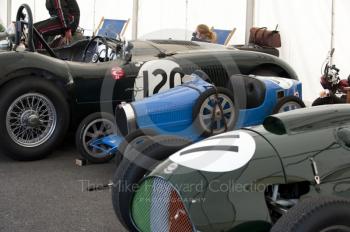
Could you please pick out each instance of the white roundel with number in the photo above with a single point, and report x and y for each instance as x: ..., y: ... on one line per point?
x: 222, y: 153
x: 156, y: 76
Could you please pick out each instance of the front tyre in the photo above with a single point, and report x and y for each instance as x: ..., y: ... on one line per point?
x: 93, y: 128
x: 325, y: 214
x: 34, y: 117
x: 133, y: 141
x: 136, y: 164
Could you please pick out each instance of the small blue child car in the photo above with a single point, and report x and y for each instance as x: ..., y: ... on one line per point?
x: 197, y: 109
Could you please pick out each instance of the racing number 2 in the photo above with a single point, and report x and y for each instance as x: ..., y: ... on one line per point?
x: 164, y: 80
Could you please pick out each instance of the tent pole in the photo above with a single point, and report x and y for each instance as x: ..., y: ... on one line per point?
x: 250, y: 17
x: 34, y: 11
x: 135, y: 19
x: 332, y: 28
x: 94, y: 29
x: 186, y: 26
x: 9, y: 10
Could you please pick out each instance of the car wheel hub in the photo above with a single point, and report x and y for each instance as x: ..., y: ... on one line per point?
x: 215, y: 112
x: 289, y: 106
x: 31, y: 120
x: 218, y: 114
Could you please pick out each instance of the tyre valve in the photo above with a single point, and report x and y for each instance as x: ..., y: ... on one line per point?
x: 315, y: 170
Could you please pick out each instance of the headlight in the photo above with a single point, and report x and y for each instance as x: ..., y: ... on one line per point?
x: 157, y: 206
x: 125, y: 118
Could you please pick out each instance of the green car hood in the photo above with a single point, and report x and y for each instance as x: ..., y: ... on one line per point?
x: 219, y: 181
x: 307, y: 135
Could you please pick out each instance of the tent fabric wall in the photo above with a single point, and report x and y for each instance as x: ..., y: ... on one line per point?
x: 306, y: 36
x: 341, y: 37
x: 221, y: 14
x: 162, y: 19
x: 3, y: 13
x: 37, y: 7
x: 114, y: 9
x: 158, y: 18
x: 305, y: 25
x: 178, y: 19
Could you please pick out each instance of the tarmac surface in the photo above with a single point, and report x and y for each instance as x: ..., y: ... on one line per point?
x: 50, y: 195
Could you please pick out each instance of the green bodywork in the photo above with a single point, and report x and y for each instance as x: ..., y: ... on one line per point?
x: 2, y: 28
x: 285, y: 147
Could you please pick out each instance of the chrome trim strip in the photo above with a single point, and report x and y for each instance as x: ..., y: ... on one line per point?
x: 130, y: 117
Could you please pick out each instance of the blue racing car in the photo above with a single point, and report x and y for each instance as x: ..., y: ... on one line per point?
x: 194, y: 110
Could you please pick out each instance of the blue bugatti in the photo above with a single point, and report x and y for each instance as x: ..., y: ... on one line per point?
x: 198, y: 109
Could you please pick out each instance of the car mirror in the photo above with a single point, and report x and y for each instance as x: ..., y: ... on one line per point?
x: 127, y: 55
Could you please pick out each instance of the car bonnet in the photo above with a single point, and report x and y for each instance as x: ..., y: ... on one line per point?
x: 222, y: 174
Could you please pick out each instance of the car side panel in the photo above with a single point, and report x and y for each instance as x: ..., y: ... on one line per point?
x: 19, y: 64
x: 227, y: 63
x: 315, y: 153
x: 233, y: 194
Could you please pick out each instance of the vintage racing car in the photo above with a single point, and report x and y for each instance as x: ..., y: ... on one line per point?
x: 291, y: 174
x: 44, y: 91
x: 195, y: 110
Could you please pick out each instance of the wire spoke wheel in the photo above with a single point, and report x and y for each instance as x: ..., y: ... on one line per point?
x: 216, y: 112
x: 289, y: 106
x: 95, y: 130
x: 31, y: 120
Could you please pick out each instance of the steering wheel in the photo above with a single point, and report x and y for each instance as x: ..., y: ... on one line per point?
x: 96, y: 55
x: 24, y: 22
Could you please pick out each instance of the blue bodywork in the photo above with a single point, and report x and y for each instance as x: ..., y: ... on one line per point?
x: 256, y: 116
x: 171, y: 112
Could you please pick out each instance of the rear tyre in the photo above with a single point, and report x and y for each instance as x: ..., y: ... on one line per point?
x: 287, y: 104
x: 34, y: 117
x: 328, y: 101
x: 135, y: 165
x: 316, y: 214
x: 94, y: 127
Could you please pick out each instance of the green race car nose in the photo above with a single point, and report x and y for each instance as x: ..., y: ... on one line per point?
x: 157, y: 206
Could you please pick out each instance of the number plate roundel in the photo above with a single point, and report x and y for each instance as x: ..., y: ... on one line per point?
x: 157, y: 76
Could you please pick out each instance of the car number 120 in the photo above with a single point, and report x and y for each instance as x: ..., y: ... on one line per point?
x: 157, y: 76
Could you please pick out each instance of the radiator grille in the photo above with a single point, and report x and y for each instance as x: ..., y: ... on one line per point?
x: 157, y: 207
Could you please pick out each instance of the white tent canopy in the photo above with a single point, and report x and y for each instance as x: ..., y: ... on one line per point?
x: 306, y: 26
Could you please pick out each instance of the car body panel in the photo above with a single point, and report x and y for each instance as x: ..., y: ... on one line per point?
x: 13, y: 65
x: 205, y: 193
x: 218, y: 64
x: 172, y: 111
x: 90, y: 87
x: 275, y: 91
x: 305, y: 125
x: 313, y: 142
